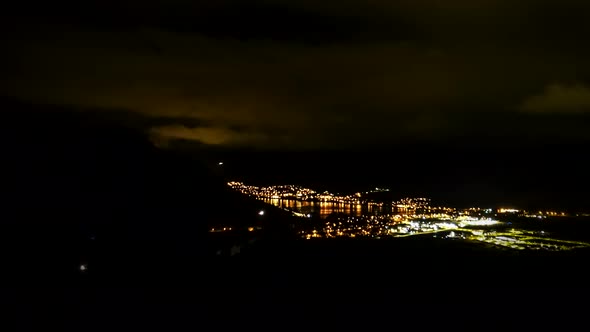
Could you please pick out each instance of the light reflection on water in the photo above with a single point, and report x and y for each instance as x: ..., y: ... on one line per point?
x: 324, y: 209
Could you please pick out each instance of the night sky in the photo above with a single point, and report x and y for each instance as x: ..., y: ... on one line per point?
x: 310, y: 74
x: 116, y: 114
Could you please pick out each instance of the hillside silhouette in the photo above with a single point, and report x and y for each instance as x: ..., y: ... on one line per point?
x: 78, y: 189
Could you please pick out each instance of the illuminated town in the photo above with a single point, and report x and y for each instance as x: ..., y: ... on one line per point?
x: 328, y: 215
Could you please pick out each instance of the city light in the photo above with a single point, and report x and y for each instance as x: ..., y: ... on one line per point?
x: 405, y: 217
x: 478, y: 222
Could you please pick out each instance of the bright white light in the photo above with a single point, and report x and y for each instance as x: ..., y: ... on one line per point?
x: 261, y: 213
x: 448, y: 225
x: 508, y: 211
x: 482, y: 222
x: 220, y: 163
x: 83, y: 267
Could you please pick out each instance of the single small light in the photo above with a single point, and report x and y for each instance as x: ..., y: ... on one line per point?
x: 220, y: 163
x: 261, y: 213
x: 83, y: 267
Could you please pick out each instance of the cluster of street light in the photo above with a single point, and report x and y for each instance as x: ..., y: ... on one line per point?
x: 490, y: 231
x: 413, y: 217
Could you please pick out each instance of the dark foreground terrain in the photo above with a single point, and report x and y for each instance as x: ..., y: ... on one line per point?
x: 102, y: 231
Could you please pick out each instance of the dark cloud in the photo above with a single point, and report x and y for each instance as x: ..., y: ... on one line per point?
x: 560, y: 98
x: 207, y: 135
x: 307, y: 73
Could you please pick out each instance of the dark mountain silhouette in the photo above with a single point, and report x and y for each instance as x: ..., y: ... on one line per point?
x: 78, y: 189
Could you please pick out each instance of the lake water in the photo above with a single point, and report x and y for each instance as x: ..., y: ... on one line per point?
x: 324, y: 209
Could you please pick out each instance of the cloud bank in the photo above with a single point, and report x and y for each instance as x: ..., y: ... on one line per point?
x: 304, y: 73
